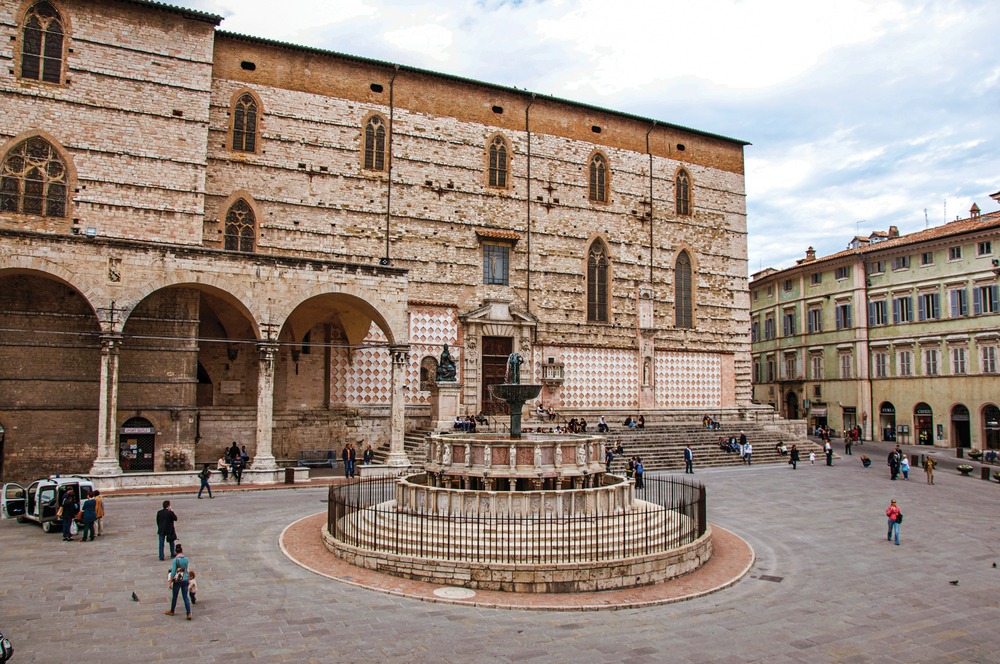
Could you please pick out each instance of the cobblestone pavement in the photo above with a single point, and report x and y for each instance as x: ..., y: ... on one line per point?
x: 826, y: 587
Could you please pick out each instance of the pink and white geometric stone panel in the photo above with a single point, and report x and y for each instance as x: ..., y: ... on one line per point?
x: 688, y: 380
x: 600, y: 378
x: 366, y: 377
x: 429, y: 331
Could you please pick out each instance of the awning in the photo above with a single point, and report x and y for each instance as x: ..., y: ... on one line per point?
x: 818, y: 411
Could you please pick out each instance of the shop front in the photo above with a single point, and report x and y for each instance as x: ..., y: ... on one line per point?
x: 991, y: 427
x: 961, y: 435
x: 887, y: 421
x: 850, y: 418
x: 136, y: 445
x: 923, y: 424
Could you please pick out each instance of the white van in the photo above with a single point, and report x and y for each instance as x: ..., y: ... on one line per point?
x: 40, y: 501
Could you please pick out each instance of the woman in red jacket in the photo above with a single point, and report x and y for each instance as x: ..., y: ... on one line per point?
x: 895, y: 518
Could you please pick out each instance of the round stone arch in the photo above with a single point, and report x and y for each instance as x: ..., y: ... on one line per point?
x: 359, y: 306
x: 46, y: 269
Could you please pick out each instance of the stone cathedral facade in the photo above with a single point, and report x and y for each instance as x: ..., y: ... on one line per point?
x: 207, y: 237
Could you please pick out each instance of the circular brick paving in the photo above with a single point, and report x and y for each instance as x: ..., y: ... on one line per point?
x: 730, y: 562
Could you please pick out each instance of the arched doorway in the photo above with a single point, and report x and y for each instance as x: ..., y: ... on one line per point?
x: 887, y: 421
x: 960, y: 433
x: 991, y: 427
x: 923, y: 424
x: 791, y: 406
x: 136, y: 445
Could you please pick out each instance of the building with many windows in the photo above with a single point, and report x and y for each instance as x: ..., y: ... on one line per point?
x: 208, y: 237
x: 897, y: 334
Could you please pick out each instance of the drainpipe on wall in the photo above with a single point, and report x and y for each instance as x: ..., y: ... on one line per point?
x: 527, y: 130
x: 650, y: 153
x: 388, y: 197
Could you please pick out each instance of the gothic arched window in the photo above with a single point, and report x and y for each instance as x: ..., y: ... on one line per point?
x: 683, y: 193
x: 33, y: 180
x: 42, y: 44
x: 683, y: 301
x: 598, y: 189
x: 498, y: 162
x: 598, y: 266
x: 241, y: 227
x: 246, y: 114
x: 375, y: 141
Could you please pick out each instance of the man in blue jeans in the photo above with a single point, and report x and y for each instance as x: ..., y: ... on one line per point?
x: 165, y: 519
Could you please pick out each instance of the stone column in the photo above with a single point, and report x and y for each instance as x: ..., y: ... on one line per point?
x: 106, y: 462
x: 400, y: 363
x: 263, y: 459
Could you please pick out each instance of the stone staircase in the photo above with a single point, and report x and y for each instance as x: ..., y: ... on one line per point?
x: 661, y: 446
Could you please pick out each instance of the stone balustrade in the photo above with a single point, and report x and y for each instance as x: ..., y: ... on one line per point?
x: 415, y: 495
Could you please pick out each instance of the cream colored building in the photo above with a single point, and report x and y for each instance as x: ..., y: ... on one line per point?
x: 208, y: 237
x: 897, y: 334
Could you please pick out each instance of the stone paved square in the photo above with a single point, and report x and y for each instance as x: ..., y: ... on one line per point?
x: 845, y: 594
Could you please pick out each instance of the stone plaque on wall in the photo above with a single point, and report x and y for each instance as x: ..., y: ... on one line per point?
x: 232, y: 387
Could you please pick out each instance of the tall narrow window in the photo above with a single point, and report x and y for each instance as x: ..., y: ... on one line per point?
x: 683, y: 193
x: 496, y: 259
x: 42, y: 44
x: 599, y: 179
x: 245, y: 116
x: 498, y: 163
x: 241, y: 227
x: 375, y: 133
x: 597, y: 283
x: 683, y: 305
x: 33, y: 180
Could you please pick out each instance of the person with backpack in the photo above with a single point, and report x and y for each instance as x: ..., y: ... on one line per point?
x: 639, y: 484
x: 179, y: 582
x: 203, y: 476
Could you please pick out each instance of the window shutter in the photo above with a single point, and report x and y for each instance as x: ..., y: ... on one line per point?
x: 921, y: 310
x: 993, y: 299
x: 936, y: 302
x: 954, y: 304
x: 895, y: 311
x: 871, y: 314
x: 840, y: 317
x: 977, y: 301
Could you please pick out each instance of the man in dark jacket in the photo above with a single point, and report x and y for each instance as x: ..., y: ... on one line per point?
x: 165, y: 519
x: 70, y: 506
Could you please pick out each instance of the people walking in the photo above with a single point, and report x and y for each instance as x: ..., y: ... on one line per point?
x: 179, y: 582
x: 812, y: 457
x: 747, y: 451
x: 904, y: 467
x: 165, y: 530
x: 609, y: 456
x: 688, y: 459
x: 929, y: 464
x: 793, y: 456
x: 895, y: 518
x: 88, y: 517
x: 828, y: 450
x: 203, y: 476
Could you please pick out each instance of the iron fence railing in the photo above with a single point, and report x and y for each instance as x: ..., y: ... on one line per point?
x: 672, y: 514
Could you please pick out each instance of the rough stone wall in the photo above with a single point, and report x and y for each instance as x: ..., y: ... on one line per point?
x: 131, y: 118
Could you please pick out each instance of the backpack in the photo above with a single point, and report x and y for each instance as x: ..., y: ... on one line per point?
x: 179, y: 574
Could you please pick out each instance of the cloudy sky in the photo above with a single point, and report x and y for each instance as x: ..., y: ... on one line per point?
x: 862, y: 114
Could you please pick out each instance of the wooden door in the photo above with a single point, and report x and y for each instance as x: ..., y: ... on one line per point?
x: 496, y: 351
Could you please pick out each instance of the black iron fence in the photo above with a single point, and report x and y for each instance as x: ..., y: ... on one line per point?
x: 672, y: 515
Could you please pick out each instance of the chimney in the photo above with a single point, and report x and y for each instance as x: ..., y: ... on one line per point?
x: 974, y: 211
x: 810, y: 254
x: 893, y: 231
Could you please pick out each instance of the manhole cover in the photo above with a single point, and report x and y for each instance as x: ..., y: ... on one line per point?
x: 775, y: 579
x: 455, y: 593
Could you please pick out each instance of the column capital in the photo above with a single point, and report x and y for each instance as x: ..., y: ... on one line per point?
x: 111, y: 341
x: 400, y: 353
x: 267, y: 349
